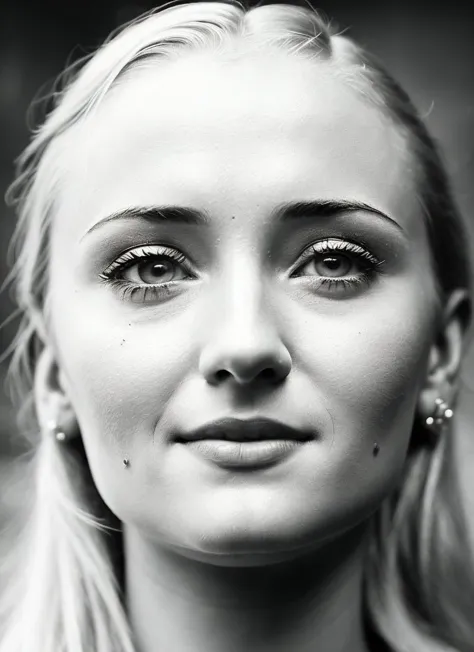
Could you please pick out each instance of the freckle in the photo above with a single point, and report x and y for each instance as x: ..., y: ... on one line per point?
x: 233, y: 217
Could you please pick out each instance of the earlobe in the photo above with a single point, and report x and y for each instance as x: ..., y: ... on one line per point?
x: 446, y: 353
x: 52, y: 402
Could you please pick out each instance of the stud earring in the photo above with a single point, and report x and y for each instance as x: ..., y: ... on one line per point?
x: 441, y: 415
x: 58, y: 433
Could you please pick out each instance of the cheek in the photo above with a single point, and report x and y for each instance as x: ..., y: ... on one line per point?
x: 369, y: 366
x: 365, y: 371
x: 121, y: 372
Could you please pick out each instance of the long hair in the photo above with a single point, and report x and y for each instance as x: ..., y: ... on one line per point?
x: 62, y: 583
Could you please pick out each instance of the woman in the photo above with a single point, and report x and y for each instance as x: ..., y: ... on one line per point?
x: 246, y: 295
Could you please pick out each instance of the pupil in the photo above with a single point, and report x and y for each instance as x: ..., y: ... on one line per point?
x: 337, y: 265
x: 152, y: 272
x: 158, y: 269
x: 332, y: 263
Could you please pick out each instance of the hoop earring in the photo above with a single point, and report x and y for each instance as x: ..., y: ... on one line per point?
x: 441, y: 415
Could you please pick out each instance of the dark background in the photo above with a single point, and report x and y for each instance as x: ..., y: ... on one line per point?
x: 429, y: 49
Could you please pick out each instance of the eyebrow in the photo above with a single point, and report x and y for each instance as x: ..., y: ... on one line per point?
x: 283, y: 212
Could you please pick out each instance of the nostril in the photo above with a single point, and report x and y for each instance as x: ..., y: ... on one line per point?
x: 265, y: 374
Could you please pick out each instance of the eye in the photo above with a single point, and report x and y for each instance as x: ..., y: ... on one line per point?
x: 154, y: 270
x: 337, y: 265
x: 331, y: 266
x: 148, y: 273
x: 151, y: 264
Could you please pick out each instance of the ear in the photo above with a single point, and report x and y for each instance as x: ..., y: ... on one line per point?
x: 52, y: 399
x: 447, y: 353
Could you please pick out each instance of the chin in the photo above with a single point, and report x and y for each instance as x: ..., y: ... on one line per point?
x: 254, y: 555
x: 244, y: 547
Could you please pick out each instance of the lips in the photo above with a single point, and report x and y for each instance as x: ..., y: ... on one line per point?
x: 240, y: 430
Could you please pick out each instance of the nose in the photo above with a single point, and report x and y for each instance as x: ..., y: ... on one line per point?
x: 243, y: 343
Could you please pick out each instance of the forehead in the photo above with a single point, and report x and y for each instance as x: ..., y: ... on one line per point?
x: 246, y: 133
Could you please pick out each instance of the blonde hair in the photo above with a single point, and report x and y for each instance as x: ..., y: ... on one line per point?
x: 63, y: 592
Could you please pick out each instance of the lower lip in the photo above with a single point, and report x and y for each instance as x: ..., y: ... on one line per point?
x: 244, y: 454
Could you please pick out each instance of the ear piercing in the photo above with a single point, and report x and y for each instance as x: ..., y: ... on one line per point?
x: 61, y: 437
x: 441, y: 414
x: 58, y: 433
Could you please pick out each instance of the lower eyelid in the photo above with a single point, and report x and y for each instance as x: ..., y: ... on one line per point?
x: 128, y: 291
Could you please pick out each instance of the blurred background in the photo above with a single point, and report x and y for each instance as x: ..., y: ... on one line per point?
x: 428, y: 48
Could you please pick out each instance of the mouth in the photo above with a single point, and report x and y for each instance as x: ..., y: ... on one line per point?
x: 244, y: 444
x: 248, y: 430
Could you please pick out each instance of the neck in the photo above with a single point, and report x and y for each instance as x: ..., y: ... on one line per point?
x: 312, y: 602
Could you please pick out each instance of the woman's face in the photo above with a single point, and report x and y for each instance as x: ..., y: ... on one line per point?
x: 264, y: 317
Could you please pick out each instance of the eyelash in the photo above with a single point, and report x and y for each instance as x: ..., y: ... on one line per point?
x: 142, y: 293
x: 323, y: 248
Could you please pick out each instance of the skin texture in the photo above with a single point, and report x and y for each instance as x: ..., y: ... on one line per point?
x: 219, y: 550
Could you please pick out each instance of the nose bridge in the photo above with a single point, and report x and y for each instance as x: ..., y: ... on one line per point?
x: 242, y: 337
x: 241, y: 294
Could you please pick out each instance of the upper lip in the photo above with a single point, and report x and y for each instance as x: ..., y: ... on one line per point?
x: 244, y: 430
